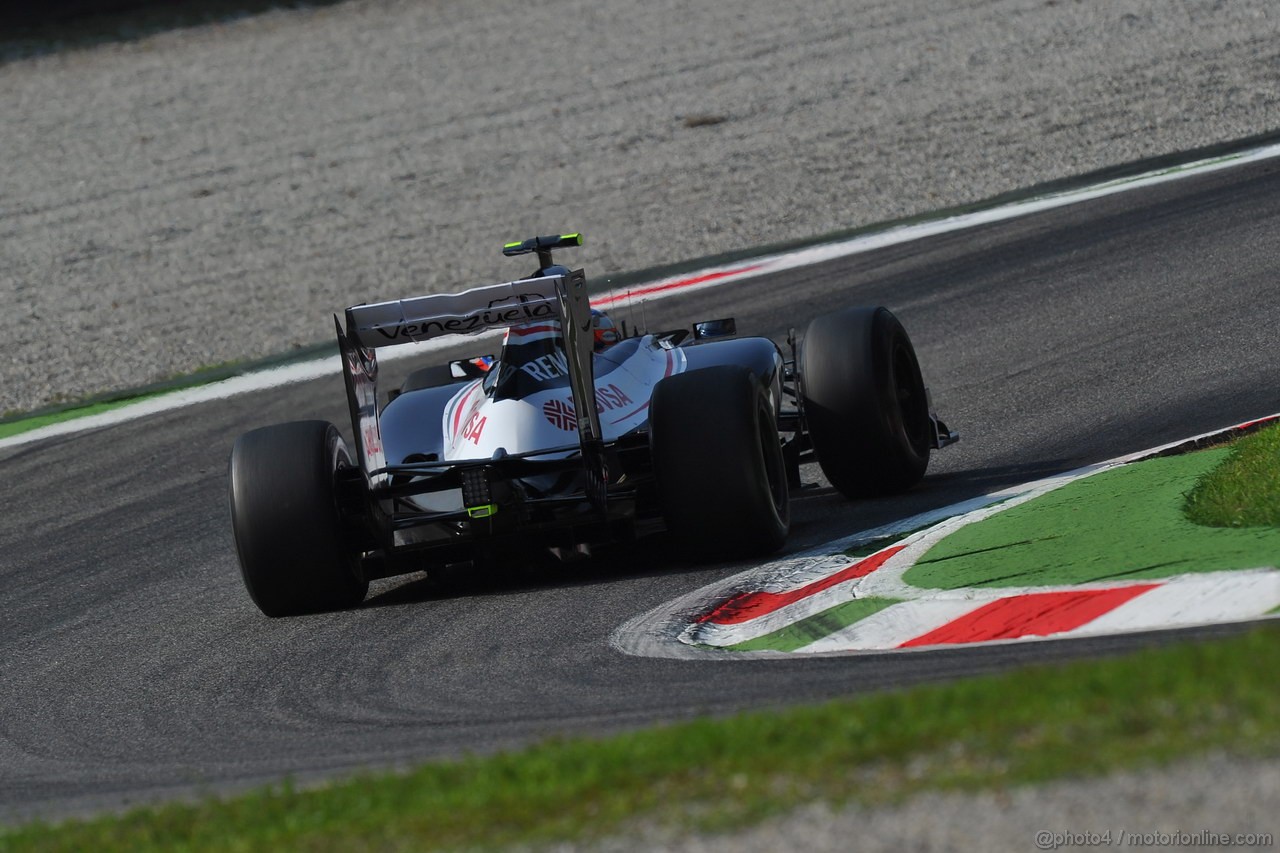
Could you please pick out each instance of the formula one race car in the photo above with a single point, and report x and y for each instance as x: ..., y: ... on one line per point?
x: 574, y: 437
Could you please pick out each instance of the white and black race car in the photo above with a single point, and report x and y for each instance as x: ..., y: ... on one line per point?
x: 576, y: 436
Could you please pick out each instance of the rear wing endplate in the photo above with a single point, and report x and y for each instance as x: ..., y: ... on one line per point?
x: 360, y: 373
x: 402, y: 321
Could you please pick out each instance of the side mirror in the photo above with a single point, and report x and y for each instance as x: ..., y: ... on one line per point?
x: 470, y: 368
x: 715, y: 329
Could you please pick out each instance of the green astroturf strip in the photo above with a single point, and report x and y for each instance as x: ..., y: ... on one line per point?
x: 1126, y: 523
x: 814, y: 628
x: 38, y: 421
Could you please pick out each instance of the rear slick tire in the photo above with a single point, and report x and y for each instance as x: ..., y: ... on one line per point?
x: 293, y: 555
x: 718, y: 463
x: 864, y: 402
x: 429, y: 377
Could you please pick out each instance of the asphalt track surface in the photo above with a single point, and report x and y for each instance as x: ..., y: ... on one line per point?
x: 133, y: 665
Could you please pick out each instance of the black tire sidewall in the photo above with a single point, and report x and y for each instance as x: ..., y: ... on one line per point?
x: 718, y: 463
x: 293, y: 555
x: 434, y: 376
x: 852, y: 364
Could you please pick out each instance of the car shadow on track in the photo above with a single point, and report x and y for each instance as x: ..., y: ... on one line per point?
x: 649, y: 558
x: 819, y: 514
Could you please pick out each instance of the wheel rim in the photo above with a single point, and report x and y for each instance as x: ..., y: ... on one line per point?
x: 774, y: 466
x: 340, y: 459
x: 908, y: 392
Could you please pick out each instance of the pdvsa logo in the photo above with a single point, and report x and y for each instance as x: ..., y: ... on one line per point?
x: 560, y: 412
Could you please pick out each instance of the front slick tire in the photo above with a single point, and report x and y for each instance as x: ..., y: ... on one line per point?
x: 718, y: 463
x: 293, y: 556
x: 865, y: 402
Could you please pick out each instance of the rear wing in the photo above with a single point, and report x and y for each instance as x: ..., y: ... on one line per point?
x: 423, y: 318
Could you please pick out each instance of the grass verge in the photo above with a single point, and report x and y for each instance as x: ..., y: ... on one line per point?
x: 1014, y: 728
x: 1244, y: 491
x: 1124, y: 523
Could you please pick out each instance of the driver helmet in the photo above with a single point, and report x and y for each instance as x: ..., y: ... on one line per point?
x: 606, y: 333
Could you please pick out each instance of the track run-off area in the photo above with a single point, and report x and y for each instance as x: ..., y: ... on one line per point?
x: 135, y: 667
